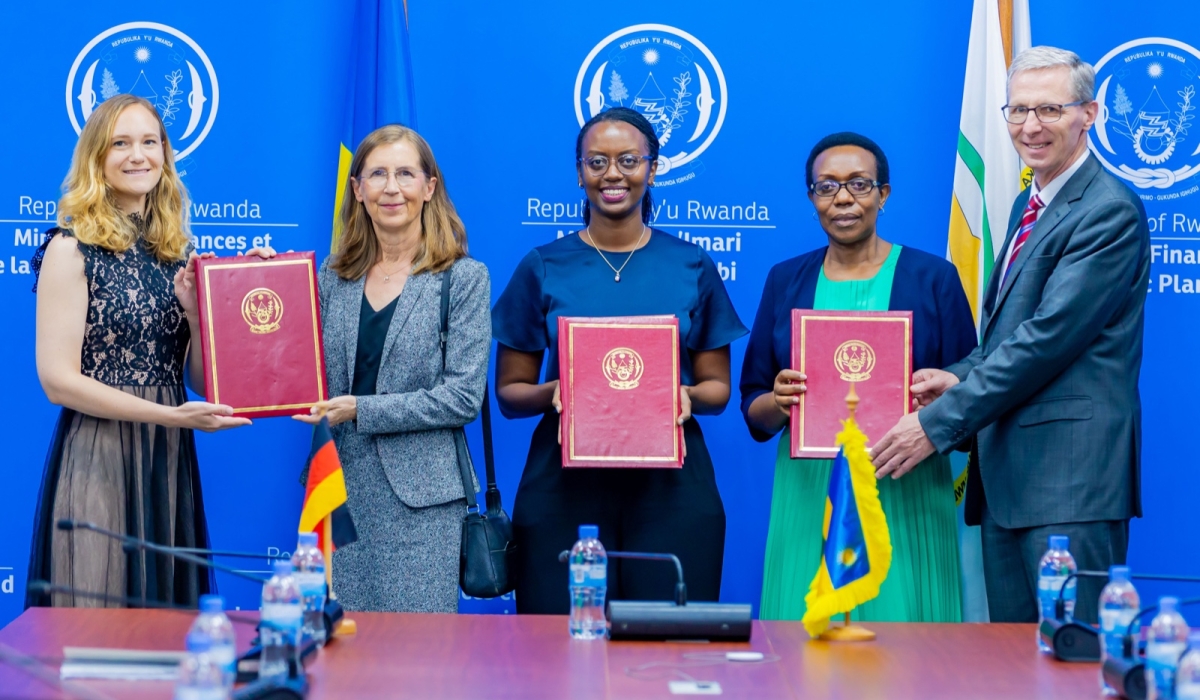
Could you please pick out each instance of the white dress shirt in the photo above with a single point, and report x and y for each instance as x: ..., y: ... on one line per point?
x: 1046, y: 194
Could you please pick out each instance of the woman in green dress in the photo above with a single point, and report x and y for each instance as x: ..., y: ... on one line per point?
x: 847, y: 178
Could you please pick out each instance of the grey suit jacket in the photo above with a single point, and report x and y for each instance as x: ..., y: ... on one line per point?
x: 412, y: 416
x: 1051, y: 392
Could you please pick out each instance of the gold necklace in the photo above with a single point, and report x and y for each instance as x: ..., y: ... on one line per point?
x: 616, y: 270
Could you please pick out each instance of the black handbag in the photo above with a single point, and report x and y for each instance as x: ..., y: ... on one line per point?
x: 486, y: 557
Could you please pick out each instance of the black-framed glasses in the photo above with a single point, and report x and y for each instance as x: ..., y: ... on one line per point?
x: 628, y: 163
x: 377, y: 179
x: 856, y: 186
x: 1046, y: 114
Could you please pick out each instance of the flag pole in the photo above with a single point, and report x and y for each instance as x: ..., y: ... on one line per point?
x: 346, y: 627
x: 848, y: 632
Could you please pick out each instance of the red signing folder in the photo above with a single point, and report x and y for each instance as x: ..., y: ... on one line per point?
x: 619, y: 387
x: 873, y: 349
x: 260, y: 326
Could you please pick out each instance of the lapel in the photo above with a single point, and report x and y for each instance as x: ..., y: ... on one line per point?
x: 353, y: 291
x: 1059, y: 207
x: 414, y: 289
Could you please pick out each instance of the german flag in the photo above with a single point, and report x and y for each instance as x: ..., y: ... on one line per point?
x: 325, y: 493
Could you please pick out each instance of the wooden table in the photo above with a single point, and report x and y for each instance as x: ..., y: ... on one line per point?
x: 531, y: 657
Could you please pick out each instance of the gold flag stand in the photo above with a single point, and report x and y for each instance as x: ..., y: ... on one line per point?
x: 848, y: 632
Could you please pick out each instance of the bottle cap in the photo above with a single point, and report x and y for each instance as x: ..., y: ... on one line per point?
x: 283, y: 567
x: 308, y: 539
x: 1168, y: 604
x: 1118, y: 573
x: 212, y: 603
x: 1060, y: 542
x: 198, y: 642
x: 589, y: 532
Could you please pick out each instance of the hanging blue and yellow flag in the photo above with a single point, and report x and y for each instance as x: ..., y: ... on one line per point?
x: 381, y: 81
x: 858, y: 547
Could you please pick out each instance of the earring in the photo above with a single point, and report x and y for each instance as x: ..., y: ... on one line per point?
x: 814, y: 215
x: 881, y: 210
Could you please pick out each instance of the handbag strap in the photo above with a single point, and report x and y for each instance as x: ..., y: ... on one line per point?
x: 488, y: 458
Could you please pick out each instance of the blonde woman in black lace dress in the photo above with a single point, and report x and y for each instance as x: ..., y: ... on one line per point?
x: 116, y: 311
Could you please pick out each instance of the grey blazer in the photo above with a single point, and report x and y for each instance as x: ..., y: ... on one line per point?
x: 412, y: 416
x: 1052, y: 390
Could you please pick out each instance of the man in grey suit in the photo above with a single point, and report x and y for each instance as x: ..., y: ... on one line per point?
x: 1051, y: 393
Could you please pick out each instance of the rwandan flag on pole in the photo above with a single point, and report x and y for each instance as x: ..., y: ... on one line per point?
x: 987, y: 179
x: 325, y: 493
x: 858, y: 546
x: 380, y: 78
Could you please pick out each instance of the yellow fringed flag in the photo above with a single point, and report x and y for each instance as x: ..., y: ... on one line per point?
x: 858, y: 547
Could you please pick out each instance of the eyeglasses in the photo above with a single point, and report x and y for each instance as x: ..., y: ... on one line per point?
x: 1046, y: 114
x: 856, y: 186
x: 377, y: 179
x: 628, y: 164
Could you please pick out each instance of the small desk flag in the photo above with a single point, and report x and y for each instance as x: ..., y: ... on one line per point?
x: 325, y: 493
x: 858, y: 546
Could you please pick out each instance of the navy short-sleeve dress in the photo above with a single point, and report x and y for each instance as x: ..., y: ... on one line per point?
x: 654, y: 510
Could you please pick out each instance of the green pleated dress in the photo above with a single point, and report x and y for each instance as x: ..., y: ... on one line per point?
x: 923, y: 583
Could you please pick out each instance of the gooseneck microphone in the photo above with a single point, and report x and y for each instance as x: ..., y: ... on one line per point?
x: 332, y: 615
x: 133, y: 544
x: 1127, y: 674
x: 1078, y: 641
x: 678, y: 619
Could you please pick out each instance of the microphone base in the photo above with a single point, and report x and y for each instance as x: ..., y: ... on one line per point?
x: 728, y: 622
x: 1071, y: 641
x: 247, y: 663
x: 273, y: 689
x: 334, y: 616
x: 1126, y: 676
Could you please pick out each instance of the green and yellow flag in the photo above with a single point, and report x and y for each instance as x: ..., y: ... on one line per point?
x: 858, y: 547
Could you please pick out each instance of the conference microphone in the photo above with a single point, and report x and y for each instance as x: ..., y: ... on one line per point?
x: 1078, y: 641
x: 678, y: 619
x: 332, y: 614
x: 1127, y: 674
x: 294, y: 687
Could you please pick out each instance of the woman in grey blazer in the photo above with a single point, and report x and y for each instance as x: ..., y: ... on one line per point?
x: 395, y: 407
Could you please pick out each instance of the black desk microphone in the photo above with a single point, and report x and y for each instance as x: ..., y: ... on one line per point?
x: 678, y: 619
x: 1078, y: 641
x: 333, y: 612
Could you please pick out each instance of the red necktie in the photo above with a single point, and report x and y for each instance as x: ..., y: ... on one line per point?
x: 1028, y: 219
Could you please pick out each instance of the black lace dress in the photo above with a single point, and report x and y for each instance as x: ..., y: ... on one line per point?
x: 133, y: 478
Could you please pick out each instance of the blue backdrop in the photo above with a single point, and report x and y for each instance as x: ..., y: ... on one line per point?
x: 256, y: 93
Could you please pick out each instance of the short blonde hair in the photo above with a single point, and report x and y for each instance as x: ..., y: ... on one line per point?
x: 443, y: 236
x: 87, y: 206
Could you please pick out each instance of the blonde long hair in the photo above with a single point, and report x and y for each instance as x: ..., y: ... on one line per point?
x: 443, y: 236
x: 87, y: 206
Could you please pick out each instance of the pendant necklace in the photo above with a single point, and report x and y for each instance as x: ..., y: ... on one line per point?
x: 616, y: 270
x: 387, y: 275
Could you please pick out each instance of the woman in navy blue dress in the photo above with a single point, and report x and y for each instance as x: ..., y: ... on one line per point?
x: 616, y: 266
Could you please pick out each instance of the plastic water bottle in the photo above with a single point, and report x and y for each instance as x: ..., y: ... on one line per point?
x: 281, y: 615
x: 1187, y: 678
x: 588, y: 584
x: 310, y: 576
x: 1054, y: 568
x: 213, y: 624
x: 1119, y: 604
x: 1165, y: 644
x: 200, y: 677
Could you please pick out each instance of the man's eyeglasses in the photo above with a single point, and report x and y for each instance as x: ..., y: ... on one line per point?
x: 1046, y: 114
x: 857, y: 187
x: 628, y: 164
x: 377, y: 179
